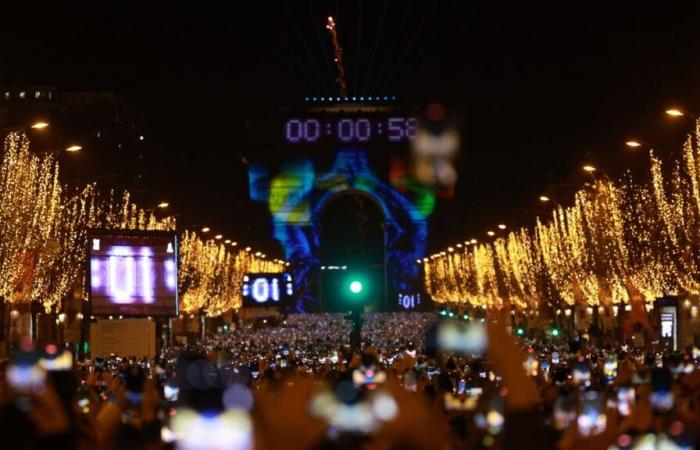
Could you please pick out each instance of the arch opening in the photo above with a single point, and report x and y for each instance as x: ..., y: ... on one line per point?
x: 352, y: 250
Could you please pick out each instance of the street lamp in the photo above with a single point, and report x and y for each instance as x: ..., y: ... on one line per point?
x: 218, y: 236
x: 163, y: 205
x: 673, y: 112
x: 473, y: 241
x: 490, y: 233
x: 205, y: 230
x: 544, y: 198
x: 501, y: 226
x: 57, y: 151
x: 40, y: 125
x: 633, y: 144
x: 589, y: 168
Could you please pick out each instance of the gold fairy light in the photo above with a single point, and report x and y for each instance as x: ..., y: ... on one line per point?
x: 520, y: 269
x: 43, y: 226
x: 620, y: 241
x: 211, y: 274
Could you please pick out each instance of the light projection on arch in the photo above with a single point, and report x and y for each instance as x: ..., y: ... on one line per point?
x: 297, y: 193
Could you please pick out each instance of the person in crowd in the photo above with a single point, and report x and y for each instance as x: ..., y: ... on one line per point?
x: 417, y: 381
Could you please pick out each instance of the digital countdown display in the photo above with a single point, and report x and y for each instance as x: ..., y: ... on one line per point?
x: 349, y: 130
x: 409, y: 302
x: 133, y: 275
x: 266, y: 289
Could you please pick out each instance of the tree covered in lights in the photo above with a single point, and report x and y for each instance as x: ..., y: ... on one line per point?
x: 211, y: 274
x: 44, y: 225
x: 620, y: 240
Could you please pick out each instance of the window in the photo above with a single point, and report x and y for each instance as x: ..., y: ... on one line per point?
x: 22, y: 94
x: 7, y: 95
x: 37, y: 94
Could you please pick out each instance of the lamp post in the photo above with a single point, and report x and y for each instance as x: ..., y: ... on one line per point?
x: 72, y: 148
x: 39, y: 126
x: 61, y: 322
x: 36, y: 126
x: 356, y: 295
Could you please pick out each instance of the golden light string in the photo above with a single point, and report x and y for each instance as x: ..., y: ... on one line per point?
x: 211, y: 274
x: 44, y: 227
x: 621, y: 240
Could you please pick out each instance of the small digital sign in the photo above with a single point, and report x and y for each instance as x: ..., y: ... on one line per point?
x: 266, y: 289
x: 133, y: 274
x: 409, y: 302
x: 668, y: 321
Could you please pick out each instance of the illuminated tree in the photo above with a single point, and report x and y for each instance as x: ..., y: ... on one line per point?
x: 619, y: 241
x: 44, y: 226
x: 211, y: 274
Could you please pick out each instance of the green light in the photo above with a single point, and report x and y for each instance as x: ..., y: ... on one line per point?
x: 520, y: 331
x: 555, y: 332
x: 451, y: 314
x: 466, y: 317
x: 355, y: 287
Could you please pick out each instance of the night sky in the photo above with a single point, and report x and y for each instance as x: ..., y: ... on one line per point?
x: 542, y: 88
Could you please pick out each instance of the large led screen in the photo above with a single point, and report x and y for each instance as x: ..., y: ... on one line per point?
x: 133, y: 275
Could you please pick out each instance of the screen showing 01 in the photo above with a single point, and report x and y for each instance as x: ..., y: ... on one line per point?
x: 133, y: 275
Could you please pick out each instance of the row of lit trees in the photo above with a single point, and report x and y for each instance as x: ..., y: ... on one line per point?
x: 44, y: 226
x: 622, y: 240
x: 211, y: 274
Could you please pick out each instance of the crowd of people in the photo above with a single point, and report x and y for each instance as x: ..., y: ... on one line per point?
x: 389, y: 332
x: 418, y: 381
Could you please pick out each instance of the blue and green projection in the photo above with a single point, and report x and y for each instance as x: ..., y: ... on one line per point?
x: 300, y: 183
